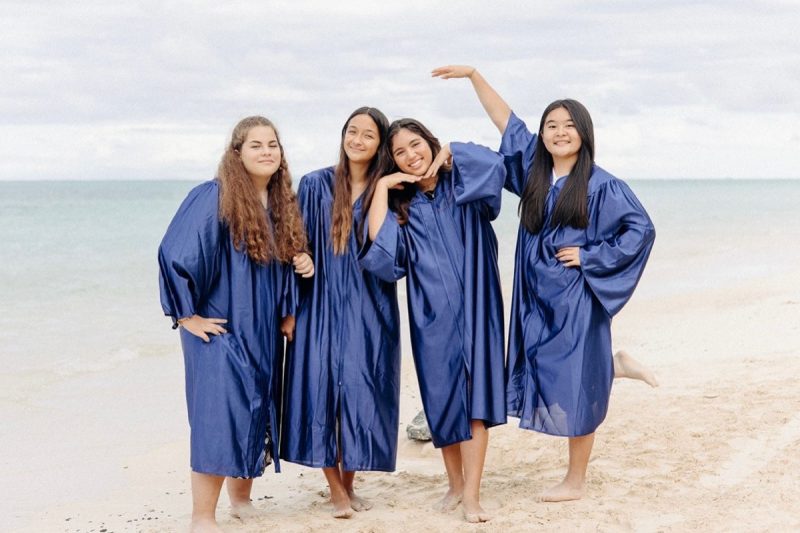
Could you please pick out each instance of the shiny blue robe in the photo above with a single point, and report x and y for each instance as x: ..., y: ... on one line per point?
x: 560, y: 365
x: 233, y: 381
x: 448, y: 252
x: 343, y: 367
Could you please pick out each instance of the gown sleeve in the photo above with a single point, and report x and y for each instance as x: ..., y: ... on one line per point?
x: 478, y: 176
x: 517, y: 148
x: 291, y: 292
x: 385, y: 257
x: 613, y: 264
x: 188, y: 256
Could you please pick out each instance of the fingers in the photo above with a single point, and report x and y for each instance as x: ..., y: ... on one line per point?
x: 569, y: 256
x: 452, y: 71
x: 399, y: 179
x: 303, y: 265
x: 201, y: 327
x: 212, y: 326
x: 287, y: 327
x: 438, y: 161
x: 441, y: 72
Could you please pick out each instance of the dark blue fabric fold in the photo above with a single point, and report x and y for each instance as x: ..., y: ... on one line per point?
x: 342, y: 380
x: 448, y: 251
x: 233, y: 381
x: 560, y: 365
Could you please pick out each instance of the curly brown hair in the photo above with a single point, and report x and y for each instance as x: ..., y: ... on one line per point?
x: 241, y: 209
x: 342, y: 211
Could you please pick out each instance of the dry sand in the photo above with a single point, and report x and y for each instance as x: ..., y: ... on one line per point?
x: 715, y: 448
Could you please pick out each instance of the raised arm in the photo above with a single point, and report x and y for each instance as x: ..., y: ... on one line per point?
x: 493, y: 103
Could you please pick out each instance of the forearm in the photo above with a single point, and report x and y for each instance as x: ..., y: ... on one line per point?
x: 377, y: 211
x: 497, y: 108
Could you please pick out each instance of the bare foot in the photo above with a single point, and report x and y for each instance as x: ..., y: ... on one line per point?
x: 474, y: 513
x: 449, y: 502
x: 244, y: 511
x: 342, y: 507
x: 357, y: 503
x: 626, y: 366
x: 204, y: 525
x: 562, y: 492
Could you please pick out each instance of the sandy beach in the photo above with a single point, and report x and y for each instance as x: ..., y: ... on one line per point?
x: 714, y: 448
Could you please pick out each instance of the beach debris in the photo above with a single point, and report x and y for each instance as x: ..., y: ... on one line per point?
x: 418, y: 428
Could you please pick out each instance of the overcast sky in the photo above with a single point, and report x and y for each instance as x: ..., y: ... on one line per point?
x: 151, y: 90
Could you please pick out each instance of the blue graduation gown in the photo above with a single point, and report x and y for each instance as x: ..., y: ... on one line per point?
x: 343, y: 367
x: 233, y: 381
x: 448, y: 251
x: 560, y: 365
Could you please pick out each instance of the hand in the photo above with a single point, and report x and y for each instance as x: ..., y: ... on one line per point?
x: 396, y: 180
x: 453, y: 71
x: 303, y: 265
x: 287, y: 328
x: 200, y: 327
x: 442, y: 158
x: 569, y: 256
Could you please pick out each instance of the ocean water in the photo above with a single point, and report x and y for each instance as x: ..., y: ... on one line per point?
x: 79, y: 286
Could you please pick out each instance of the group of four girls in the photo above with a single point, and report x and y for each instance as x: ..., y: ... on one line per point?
x: 245, y: 263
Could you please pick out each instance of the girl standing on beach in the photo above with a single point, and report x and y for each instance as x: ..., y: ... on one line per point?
x: 224, y: 265
x: 582, y: 246
x: 439, y: 236
x: 342, y: 380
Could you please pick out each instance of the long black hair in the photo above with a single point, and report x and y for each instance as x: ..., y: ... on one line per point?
x: 399, y: 199
x: 571, y: 206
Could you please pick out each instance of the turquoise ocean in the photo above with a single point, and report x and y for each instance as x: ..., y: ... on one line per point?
x: 79, y: 287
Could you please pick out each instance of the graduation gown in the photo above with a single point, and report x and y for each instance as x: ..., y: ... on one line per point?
x: 448, y: 251
x: 233, y: 381
x: 560, y: 365
x: 343, y: 367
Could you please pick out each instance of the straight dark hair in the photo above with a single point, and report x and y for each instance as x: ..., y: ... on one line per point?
x: 400, y: 199
x: 342, y: 210
x: 571, y: 207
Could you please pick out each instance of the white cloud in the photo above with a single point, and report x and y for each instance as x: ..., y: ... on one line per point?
x: 105, y: 79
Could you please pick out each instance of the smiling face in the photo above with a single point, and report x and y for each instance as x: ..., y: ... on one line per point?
x: 261, y: 153
x: 411, y: 153
x: 560, y: 136
x: 361, y: 139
